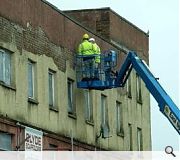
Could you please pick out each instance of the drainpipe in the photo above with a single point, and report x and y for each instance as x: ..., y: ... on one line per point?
x: 19, y: 144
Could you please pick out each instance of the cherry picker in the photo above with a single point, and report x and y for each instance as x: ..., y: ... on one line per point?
x: 104, y: 77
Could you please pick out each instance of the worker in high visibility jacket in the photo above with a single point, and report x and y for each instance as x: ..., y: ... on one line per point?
x: 97, y: 60
x: 85, y: 48
x: 96, y: 50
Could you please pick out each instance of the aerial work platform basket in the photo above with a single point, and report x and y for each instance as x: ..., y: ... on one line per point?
x: 92, y: 75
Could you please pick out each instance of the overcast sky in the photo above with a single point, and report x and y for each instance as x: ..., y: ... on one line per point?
x: 161, y: 18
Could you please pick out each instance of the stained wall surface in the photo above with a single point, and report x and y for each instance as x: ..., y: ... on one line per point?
x: 35, y: 30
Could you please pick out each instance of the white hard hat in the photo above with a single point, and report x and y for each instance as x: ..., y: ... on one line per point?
x: 91, y: 39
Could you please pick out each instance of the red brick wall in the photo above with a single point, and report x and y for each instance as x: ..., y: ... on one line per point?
x: 48, y: 25
x: 96, y: 20
x: 42, y: 30
x: 84, y: 18
x: 113, y: 27
x: 128, y: 35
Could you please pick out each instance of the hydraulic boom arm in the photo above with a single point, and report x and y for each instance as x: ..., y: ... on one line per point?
x: 166, y: 105
x: 103, y: 77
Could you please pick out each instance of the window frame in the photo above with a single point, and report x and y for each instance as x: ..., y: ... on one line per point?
x: 88, y: 106
x: 129, y: 87
x: 138, y: 89
x: 52, y: 73
x: 70, y: 99
x: 119, y: 119
x: 139, y: 139
x: 130, y: 136
x: 104, y: 110
x: 32, y: 64
x: 5, y: 53
x: 10, y: 140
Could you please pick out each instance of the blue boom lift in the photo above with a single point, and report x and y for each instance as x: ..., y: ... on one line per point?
x: 103, y: 77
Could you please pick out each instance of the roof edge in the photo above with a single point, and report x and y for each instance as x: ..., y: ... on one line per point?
x: 78, y: 23
x: 124, y: 19
x: 109, y: 9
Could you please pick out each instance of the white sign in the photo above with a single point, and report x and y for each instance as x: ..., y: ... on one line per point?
x: 33, y: 139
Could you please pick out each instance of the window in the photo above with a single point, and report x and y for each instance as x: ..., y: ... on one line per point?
x: 104, y: 117
x: 71, y: 108
x: 129, y: 87
x: 51, y: 88
x: 130, y: 137
x: 31, y: 79
x: 88, y: 106
x: 138, y: 89
x: 5, y: 141
x: 119, y: 118
x: 139, y: 140
x: 5, y: 67
x: 104, y: 111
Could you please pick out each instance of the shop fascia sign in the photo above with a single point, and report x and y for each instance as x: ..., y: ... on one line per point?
x: 34, y: 139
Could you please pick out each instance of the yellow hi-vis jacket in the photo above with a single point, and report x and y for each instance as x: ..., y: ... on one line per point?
x: 96, y: 50
x: 85, y: 48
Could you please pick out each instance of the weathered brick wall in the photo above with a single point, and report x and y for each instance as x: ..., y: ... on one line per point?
x: 33, y: 40
x: 84, y: 18
x: 37, y: 27
x: 114, y: 27
x: 128, y: 35
x: 96, y: 20
x: 103, y: 24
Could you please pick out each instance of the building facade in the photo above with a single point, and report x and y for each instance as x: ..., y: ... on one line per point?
x: 40, y: 106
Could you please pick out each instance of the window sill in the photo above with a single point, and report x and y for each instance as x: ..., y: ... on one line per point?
x: 90, y: 122
x: 33, y: 101
x: 121, y: 134
x: 72, y: 115
x: 139, y: 101
x: 53, y: 108
x: 7, y: 86
x: 130, y: 96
